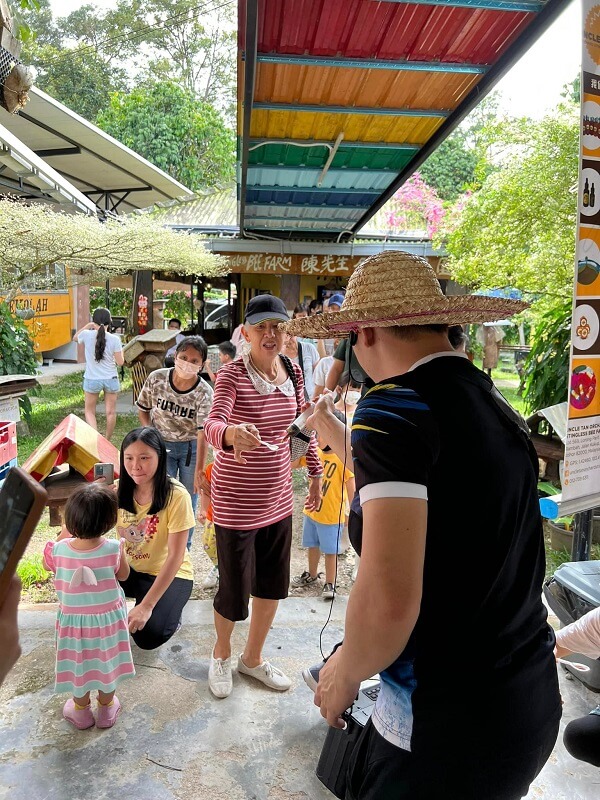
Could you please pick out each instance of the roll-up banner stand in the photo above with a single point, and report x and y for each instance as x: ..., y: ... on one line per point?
x: 581, y: 475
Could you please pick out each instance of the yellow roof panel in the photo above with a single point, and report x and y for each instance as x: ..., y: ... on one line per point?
x: 355, y: 127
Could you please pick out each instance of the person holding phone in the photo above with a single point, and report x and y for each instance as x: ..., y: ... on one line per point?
x: 103, y: 354
x: 155, y: 514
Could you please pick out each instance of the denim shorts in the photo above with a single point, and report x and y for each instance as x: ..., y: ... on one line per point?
x: 95, y: 386
x: 326, y: 537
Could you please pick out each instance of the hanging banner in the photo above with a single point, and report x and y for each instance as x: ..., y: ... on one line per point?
x: 582, y: 454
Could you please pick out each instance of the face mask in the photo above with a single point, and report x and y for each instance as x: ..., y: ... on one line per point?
x: 351, y: 397
x: 186, y: 369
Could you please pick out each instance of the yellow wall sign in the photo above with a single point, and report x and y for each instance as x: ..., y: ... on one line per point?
x: 50, y: 325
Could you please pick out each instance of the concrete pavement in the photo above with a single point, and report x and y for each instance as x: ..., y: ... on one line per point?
x: 174, y: 741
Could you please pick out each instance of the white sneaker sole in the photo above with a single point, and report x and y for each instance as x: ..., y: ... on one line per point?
x: 309, y: 680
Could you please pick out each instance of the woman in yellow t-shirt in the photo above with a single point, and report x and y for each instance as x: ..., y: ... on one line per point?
x: 155, y: 514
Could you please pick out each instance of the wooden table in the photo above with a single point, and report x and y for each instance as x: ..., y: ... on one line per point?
x: 60, y: 485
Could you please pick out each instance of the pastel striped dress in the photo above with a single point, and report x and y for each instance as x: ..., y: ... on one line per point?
x: 92, y: 638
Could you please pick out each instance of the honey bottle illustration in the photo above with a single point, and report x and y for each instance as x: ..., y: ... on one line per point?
x: 586, y: 194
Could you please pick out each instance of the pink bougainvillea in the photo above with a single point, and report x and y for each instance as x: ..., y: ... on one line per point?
x: 415, y: 206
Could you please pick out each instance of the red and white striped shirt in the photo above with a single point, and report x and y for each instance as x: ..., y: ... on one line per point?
x: 258, y: 493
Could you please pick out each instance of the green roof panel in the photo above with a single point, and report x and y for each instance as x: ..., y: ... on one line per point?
x: 347, y: 156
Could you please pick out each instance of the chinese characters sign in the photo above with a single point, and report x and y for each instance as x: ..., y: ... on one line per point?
x: 294, y: 264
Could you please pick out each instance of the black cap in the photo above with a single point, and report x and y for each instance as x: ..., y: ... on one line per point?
x: 263, y: 307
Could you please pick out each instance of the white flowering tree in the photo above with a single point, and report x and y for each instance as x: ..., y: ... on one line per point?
x: 33, y: 238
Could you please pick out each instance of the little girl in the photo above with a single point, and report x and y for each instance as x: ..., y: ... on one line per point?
x: 92, y: 638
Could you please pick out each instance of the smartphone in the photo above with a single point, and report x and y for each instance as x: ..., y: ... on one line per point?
x: 22, y: 501
x: 106, y: 471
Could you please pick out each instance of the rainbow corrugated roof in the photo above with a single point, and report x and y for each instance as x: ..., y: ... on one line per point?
x: 339, y: 101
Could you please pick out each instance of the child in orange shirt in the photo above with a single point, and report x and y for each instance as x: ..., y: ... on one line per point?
x: 209, y: 541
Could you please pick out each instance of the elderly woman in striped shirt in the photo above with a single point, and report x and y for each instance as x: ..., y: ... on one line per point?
x: 256, y: 398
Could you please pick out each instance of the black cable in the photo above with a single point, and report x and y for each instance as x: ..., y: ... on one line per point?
x: 351, y: 342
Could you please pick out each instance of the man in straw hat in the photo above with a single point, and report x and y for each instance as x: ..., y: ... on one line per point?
x: 447, y: 603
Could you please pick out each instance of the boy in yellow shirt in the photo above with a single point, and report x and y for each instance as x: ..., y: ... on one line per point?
x: 322, y: 531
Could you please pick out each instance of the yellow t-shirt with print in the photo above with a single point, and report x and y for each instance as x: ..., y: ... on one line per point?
x: 146, y: 537
x: 334, y: 497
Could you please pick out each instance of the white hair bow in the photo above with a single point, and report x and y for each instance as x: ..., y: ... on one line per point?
x: 83, y: 575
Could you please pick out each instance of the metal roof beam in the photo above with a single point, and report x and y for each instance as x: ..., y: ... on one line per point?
x: 367, y: 63
x: 26, y: 190
x: 335, y: 220
x: 262, y: 187
x: 388, y: 112
x: 118, y: 191
x: 330, y: 171
x: 250, y: 50
x: 58, y: 151
x: 531, y: 6
x: 84, y: 149
x: 346, y: 144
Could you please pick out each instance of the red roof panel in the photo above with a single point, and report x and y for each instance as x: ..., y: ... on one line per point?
x: 366, y: 29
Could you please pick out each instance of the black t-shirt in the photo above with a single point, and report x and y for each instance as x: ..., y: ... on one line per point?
x: 438, y: 432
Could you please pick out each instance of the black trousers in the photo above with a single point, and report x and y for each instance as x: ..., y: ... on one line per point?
x: 167, y: 612
x: 582, y: 738
x: 380, y: 771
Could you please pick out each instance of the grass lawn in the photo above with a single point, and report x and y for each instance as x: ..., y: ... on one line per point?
x: 53, y: 402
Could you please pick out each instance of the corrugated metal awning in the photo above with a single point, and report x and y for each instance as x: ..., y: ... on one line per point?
x: 111, y: 175
x: 24, y: 175
x: 340, y: 101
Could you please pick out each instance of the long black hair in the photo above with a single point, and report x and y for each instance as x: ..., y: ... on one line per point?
x: 101, y: 317
x: 162, y: 486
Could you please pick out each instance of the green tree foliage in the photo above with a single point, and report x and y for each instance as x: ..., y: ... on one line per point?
x: 16, y: 348
x: 183, y: 136
x: 544, y: 379
x: 73, y: 71
x: 518, y: 230
x: 451, y: 168
x: 195, y: 49
x: 34, y: 238
x: 135, y: 42
x: 572, y: 91
x: 79, y: 79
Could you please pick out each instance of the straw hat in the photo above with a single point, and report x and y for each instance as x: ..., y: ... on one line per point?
x: 397, y: 288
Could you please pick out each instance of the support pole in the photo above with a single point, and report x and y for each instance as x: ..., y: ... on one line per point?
x: 582, y: 535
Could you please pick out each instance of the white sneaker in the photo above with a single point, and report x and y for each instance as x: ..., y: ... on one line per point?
x: 268, y: 674
x: 220, y: 681
x: 211, y: 579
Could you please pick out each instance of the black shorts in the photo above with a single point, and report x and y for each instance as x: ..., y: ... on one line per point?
x: 380, y: 771
x: 256, y: 563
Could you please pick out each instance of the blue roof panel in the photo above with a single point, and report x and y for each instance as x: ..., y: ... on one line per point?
x: 307, y: 178
x: 256, y: 194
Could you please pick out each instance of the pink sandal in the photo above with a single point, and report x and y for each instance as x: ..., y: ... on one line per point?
x: 107, y: 715
x: 81, y: 718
